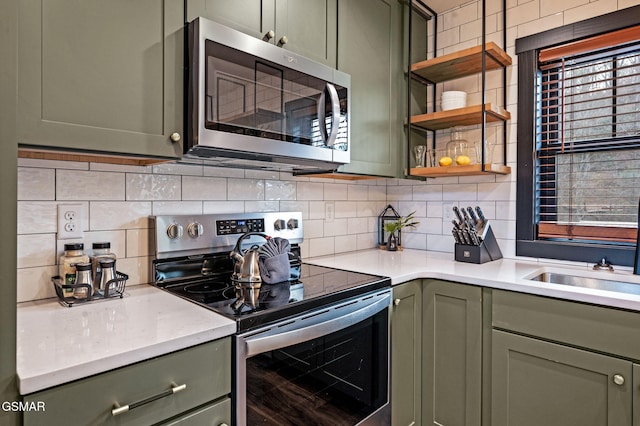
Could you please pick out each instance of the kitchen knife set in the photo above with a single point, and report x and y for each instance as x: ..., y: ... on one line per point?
x: 469, y: 227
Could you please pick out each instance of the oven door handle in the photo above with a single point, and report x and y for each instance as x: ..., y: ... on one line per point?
x: 315, y: 325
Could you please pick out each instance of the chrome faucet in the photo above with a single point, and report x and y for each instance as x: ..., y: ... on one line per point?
x: 603, y: 264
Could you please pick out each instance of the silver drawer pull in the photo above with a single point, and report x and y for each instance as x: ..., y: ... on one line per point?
x: 120, y: 409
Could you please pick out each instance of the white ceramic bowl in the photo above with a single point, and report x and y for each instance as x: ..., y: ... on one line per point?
x: 452, y: 100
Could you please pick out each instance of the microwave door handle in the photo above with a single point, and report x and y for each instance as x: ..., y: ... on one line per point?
x: 322, y: 126
x: 335, y: 114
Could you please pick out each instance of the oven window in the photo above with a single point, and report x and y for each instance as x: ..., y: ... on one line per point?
x: 339, y: 379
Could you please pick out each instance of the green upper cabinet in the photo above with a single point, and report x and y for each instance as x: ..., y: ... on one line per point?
x: 307, y: 27
x: 101, y: 77
x: 370, y: 48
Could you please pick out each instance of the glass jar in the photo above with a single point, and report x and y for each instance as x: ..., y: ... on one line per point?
x: 461, y: 151
x: 73, y: 254
x: 99, y: 251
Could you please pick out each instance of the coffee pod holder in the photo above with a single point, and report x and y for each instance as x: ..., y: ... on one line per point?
x: 486, y: 251
x: 114, y: 289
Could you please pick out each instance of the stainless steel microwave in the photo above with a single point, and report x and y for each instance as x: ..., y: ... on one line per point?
x: 251, y: 103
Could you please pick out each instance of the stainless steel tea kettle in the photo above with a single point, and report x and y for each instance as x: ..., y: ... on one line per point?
x: 246, y: 270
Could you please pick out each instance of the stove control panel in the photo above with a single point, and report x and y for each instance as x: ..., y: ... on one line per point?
x: 186, y: 235
x: 239, y: 226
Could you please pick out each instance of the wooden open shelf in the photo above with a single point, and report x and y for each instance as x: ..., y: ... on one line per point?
x: 466, y: 116
x: 472, y: 170
x: 461, y: 64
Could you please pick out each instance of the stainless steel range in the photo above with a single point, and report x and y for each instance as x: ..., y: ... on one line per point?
x: 311, y: 349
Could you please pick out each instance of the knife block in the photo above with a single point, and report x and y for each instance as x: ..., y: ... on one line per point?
x: 487, y: 251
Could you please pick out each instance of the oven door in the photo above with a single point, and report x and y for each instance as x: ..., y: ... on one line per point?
x: 327, y: 367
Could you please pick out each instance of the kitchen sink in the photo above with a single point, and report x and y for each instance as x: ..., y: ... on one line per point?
x: 598, y: 283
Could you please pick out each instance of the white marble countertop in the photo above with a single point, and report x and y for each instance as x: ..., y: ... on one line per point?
x: 507, y: 274
x: 57, y: 344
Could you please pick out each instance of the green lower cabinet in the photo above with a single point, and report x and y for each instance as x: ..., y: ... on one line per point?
x: 216, y: 414
x: 406, y: 349
x: 636, y: 394
x: 451, y: 354
x: 188, y: 387
x: 535, y: 383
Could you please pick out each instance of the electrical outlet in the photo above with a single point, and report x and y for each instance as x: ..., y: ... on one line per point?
x: 329, y: 211
x: 69, y: 221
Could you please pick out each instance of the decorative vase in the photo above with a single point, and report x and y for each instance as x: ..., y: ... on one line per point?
x: 392, y: 244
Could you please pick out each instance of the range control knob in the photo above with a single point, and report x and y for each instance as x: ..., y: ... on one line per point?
x: 195, y: 230
x: 292, y: 223
x: 174, y: 231
x: 279, y: 225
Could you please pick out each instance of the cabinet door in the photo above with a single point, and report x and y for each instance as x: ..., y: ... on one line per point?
x: 540, y: 383
x: 452, y: 354
x: 370, y: 49
x: 406, y: 338
x: 8, y: 219
x: 636, y: 394
x: 216, y: 414
x: 253, y: 17
x: 101, y: 77
x: 309, y: 26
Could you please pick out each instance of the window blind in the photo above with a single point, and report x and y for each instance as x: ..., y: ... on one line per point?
x: 588, y: 139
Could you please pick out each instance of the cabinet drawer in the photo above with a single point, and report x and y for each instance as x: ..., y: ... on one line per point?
x: 216, y: 414
x: 606, y: 330
x: 204, y: 369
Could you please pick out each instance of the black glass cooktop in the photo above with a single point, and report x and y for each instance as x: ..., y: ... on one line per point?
x: 317, y: 286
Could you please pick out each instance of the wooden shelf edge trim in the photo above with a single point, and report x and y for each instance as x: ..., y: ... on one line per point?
x: 498, y: 58
x: 473, y: 170
x: 40, y: 154
x: 460, y: 116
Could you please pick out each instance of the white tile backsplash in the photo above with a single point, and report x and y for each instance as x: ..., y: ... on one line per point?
x: 36, y: 250
x: 75, y: 185
x: 204, y: 188
x: 118, y: 199
x: 39, y: 184
x: 152, y: 187
x: 245, y: 189
x: 279, y: 190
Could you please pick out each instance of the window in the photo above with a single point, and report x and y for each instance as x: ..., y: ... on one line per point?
x: 579, y: 140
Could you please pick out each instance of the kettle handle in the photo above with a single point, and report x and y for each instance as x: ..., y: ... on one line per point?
x: 246, y: 235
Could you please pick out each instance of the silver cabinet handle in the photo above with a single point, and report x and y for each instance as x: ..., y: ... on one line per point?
x: 120, y: 409
x: 175, y: 137
x: 283, y: 40
x: 396, y: 302
x: 269, y: 35
x: 618, y: 379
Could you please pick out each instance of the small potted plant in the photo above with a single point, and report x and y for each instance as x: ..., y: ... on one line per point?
x: 394, y: 227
